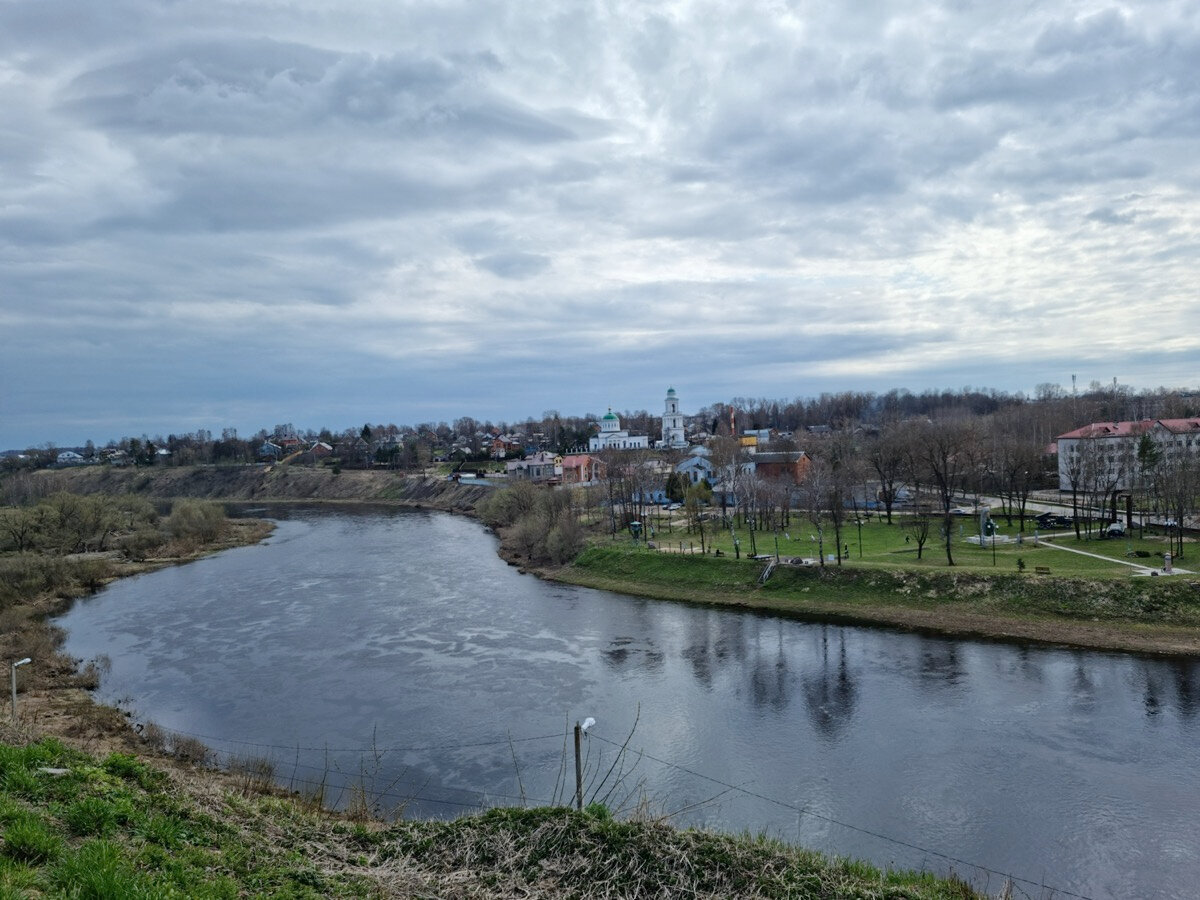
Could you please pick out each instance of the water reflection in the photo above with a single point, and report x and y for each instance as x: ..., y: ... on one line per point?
x: 940, y: 666
x: 406, y: 631
x: 1083, y: 687
x: 1169, y: 686
x: 627, y: 653
x: 770, y: 675
x: 830, y: 692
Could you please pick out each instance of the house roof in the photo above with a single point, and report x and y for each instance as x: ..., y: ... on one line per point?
x: 572, y: 460
x: 1131, y: 429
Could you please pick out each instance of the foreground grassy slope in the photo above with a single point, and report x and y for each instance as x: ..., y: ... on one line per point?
x: 75, y: 826
x: 1145, y: 614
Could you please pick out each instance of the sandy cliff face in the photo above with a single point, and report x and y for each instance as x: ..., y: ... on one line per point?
x: 262, y: 483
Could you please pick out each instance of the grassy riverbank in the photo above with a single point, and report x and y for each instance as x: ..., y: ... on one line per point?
x: 130, y: 821
x: 1155, y: 615
x: 75, y: 825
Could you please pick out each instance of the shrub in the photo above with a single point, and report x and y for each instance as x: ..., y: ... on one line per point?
x: 190, y: 750
x: 565, y: 540
x: 139, y: 543
x: 198, y: 519
x: 255, y: 774
x: 528, y: 537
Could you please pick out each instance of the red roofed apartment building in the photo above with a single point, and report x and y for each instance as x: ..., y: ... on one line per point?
x: 1107, y: 452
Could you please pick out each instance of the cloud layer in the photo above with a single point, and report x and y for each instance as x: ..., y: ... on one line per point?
x: 239, y: 213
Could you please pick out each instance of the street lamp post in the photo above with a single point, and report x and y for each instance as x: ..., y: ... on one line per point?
x: 15, y: 665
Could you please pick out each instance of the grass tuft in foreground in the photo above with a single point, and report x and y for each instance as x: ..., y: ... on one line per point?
x: 72, y: 826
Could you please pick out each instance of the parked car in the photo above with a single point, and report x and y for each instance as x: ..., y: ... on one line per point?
x: 1054, y: 520
x: 1115, y: 529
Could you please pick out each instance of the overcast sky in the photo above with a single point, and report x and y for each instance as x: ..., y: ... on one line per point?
x: 244, y: 213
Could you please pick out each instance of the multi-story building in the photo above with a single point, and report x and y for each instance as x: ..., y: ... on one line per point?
x: 1105, y: 454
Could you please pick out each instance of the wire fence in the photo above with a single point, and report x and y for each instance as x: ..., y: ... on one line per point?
x: 396, y: 793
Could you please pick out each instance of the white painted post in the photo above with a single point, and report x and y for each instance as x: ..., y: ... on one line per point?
x: 19, y: 662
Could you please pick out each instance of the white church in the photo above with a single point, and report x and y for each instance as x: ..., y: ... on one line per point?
x: 672, y: 427
x: 613, y: 437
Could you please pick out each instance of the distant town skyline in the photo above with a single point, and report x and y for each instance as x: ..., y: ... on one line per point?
x: 237, y: 214
x: 689, y: 413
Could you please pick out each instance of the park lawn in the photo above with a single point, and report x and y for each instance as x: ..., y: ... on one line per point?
x: 885, y: 546
x: 1160, y: 615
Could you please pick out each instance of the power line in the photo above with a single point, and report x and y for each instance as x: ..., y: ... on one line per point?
x: 875, y: 834
x: 367, y: 750
x: 351, y: 779
x: 398, y: 796
x: 508, y: 741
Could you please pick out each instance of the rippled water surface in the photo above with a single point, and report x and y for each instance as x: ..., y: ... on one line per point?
x: 396, y: 649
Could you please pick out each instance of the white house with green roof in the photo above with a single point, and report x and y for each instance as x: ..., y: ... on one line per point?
x: 612, y: 437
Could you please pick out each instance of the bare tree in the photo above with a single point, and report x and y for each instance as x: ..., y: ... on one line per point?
x: 887, y: 457
x: 1180, y: 480
x: 946, y: 453
x: 916, y: 527
x: 814, y: 495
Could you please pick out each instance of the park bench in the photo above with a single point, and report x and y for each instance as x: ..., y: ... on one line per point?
x: 1041, y: 570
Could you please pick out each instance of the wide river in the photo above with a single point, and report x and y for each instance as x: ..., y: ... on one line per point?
x: 396, y: 649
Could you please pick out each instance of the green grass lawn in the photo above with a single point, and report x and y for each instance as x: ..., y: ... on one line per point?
x: 879, y: 544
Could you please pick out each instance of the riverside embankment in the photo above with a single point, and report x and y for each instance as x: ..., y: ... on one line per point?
x: 274, y: 484
x: 1140, y: 615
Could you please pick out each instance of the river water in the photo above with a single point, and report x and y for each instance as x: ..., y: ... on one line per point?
x: 396, y: 650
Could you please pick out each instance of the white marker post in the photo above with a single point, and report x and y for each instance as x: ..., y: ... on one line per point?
x: 15, y: 665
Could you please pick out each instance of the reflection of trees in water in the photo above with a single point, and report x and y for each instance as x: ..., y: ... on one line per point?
x: 625, y: 653
x: 707, y: 651
x: 1029, y: 664
x: 940, y: 665
x: 1170, y: 684
x: 770, y: 679
x: 830, y: 691
x: 1083, y: 687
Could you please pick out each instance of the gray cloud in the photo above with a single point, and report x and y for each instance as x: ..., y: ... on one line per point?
x: 516, y: 266
x: 242, y: 213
